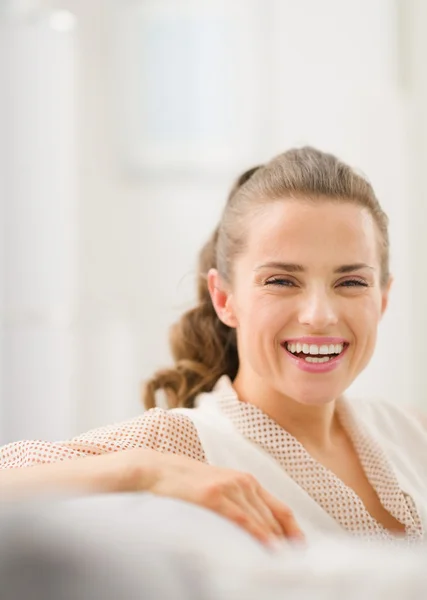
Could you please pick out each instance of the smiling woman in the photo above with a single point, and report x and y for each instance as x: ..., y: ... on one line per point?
x: 311, y: 273
x: 292, y: 287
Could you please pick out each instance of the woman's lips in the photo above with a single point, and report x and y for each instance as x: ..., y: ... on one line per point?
x: 318, y: 340
x: 316, y: 367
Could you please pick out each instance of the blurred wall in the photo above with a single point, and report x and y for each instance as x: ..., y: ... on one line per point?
x: 415, y: 42
x: 39, y: 203
x: 103, y: 226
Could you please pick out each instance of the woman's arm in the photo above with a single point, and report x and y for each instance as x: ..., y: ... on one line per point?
x: 234, y: 495
x: 158, y: 452
x: 128, y: 470
x: 117, y: 457
x: 125, y: 456
x: 155, y: 429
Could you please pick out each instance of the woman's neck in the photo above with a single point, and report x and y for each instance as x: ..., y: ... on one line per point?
x: 313, y: 426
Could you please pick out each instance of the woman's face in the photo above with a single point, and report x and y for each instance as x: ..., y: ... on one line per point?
x: 305, y: 298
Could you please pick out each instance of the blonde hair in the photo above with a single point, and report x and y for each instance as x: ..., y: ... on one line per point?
x: 203, y: 348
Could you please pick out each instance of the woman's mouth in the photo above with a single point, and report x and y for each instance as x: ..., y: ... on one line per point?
x: 315, y: 357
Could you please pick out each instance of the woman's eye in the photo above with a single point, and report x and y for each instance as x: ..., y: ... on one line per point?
x: 354, y: 283
x: 280, y: 282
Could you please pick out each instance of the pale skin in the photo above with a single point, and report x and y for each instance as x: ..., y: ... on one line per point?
x: 318, y: 239
x: 307, y: 270
x: 234, y: 495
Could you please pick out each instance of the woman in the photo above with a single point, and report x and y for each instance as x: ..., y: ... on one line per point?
x: 291, y: 289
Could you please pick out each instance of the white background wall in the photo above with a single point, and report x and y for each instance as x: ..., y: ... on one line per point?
x: 105, y: 206
x: 39, y: 224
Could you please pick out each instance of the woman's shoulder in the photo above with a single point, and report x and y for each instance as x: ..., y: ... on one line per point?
x: 156, y: 419
x: 400, y: 433
x: 383, y: 407
x: 399, y: 422
x: 158, y: 429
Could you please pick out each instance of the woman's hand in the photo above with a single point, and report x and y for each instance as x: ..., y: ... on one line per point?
x: 232, y: 494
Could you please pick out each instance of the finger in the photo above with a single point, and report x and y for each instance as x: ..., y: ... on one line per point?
x: 244, y: 495
x: 256, y: 512
x: 238, y: 514
x: 283, y: 515
x: 263, y: 512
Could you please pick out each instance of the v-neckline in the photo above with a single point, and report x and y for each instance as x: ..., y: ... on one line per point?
x: 337, y: 498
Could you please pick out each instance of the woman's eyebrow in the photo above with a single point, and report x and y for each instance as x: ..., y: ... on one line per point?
x: 290, y: 267
x: 295, y: 268
x: 351, y: 268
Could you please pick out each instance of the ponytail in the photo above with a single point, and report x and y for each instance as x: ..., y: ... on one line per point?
x: 202, y: 346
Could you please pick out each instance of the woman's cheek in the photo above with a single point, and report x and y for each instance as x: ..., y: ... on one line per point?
x: 369, y: 309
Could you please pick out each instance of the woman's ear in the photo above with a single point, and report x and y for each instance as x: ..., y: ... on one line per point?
x: 222, y: 299
x: 385, y: 295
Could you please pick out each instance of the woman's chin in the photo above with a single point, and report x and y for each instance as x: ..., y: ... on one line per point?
x: 312, y: 395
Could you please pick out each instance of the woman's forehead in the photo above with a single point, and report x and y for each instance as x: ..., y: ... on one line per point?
x: 294, y: 229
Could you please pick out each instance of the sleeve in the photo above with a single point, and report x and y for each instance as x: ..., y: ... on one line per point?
x: 157, y: 429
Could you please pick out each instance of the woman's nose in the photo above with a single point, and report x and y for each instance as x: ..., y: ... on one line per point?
x: 317, y: 311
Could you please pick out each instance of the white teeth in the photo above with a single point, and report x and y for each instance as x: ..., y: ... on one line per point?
x: 315, y: 359
x: 314, y: 349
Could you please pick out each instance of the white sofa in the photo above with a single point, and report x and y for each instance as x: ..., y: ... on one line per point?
x: 136, y: 546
